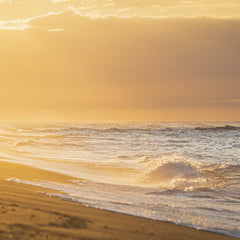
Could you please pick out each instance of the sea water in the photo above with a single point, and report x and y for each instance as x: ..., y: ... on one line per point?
x: 187, y: 173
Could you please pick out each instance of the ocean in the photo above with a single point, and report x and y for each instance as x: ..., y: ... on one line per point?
x: 187, y: 173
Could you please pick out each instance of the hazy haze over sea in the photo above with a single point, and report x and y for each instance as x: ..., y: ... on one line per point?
x: 187, y: 173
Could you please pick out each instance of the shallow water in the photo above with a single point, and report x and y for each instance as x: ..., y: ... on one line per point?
x: 187, y: 173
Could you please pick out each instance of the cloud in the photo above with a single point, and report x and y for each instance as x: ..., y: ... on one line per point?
x: 60, y: 1
x: 5, y: 1
x: 14, y: 25
x: 10, y: 10
x: 55, y: 29
x: 23, y: 24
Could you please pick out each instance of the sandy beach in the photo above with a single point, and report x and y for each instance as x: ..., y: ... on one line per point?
x: 28, y: 214
x: 119, y: 120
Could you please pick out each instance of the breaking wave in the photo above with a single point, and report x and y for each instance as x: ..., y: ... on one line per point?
x: 180, y: 173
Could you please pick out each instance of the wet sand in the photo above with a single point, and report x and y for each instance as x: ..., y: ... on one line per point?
x: 27, y: 214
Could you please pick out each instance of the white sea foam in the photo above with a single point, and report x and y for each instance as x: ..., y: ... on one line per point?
x: 171, y: 169
x: 166, y: 205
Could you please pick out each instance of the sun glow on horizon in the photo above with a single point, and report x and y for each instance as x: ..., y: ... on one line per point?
x: 112, y: 60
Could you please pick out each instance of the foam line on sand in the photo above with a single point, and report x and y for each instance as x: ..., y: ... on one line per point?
x: 26, y: 214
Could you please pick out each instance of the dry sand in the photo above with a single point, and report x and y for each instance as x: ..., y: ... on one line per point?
x: 27, y: 214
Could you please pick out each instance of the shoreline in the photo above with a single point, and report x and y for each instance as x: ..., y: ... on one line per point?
x: 27, y: 214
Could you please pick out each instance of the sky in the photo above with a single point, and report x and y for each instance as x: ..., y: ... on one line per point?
x: 138, y: 60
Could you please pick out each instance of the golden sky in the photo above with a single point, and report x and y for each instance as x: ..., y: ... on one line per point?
x: 124, y: 60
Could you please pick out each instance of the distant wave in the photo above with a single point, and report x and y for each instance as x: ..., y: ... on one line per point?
x: 54, y: 131
x: 226, y: 127
x: 32, y: 143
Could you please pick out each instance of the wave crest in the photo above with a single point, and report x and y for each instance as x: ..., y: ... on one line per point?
x: 173, y: 171
x: 226, y: 127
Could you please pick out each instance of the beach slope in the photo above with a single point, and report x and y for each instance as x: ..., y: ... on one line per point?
x: 27, y: 214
